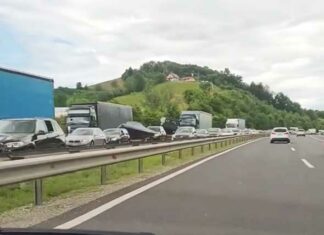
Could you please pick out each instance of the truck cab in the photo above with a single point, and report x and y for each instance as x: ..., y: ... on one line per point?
x: 81, y: 116
x: 187, y: 119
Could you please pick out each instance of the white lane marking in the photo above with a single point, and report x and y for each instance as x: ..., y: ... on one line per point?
x: 318, y: 139
x: 307, y: 163
x: 91, y: 214
x: 293, y: 149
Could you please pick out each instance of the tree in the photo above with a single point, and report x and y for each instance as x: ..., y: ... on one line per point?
x: 79, y: 85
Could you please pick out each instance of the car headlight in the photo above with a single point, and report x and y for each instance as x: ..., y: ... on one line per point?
x: 15, y: 144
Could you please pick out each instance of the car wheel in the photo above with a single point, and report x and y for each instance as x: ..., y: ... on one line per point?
x: 288, y: 141
x: 271, y: 141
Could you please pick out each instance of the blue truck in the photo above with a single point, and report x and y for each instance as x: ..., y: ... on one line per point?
x: 25, y: 95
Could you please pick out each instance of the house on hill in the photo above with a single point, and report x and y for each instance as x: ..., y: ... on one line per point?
x: 172, y: 77
x: 188, y: 79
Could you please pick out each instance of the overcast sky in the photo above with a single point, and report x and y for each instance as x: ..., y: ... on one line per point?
x: 277, y: 42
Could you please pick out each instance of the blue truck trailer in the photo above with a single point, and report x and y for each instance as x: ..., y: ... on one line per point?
x: 25, y: 95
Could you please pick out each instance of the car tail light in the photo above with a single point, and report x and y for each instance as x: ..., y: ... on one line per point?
x: 273, y: 133
x: 286, y: 133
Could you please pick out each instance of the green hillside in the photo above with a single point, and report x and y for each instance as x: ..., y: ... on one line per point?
x: 176, y: 88
x: 222, y: 93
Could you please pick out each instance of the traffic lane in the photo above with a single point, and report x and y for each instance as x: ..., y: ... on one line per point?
x: 306, y: 145
x: 257, y: 189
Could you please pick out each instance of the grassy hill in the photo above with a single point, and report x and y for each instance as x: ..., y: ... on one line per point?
x: 176, y: 88
x: 221, y: 93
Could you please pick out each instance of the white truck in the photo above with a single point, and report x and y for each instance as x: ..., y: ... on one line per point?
x: 311, y: 131
x: 235, y: 123
x: 196, y: 119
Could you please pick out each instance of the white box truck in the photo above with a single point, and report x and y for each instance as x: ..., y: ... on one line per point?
x: 197, y: 119
x: 236, y: 123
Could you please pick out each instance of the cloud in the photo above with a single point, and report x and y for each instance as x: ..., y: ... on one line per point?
x: 279, y: 43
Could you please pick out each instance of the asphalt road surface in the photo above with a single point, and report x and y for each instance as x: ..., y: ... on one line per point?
x: 259, y: 188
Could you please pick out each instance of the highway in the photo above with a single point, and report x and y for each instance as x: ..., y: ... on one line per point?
x: 259, y: 188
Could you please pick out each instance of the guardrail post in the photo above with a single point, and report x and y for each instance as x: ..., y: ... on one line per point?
x: 140, y: 165
x: 103, y: 174
x: 180, y: 154
x: 221, y: 144
x: 225, y: 143
x: 192, y: 151
x: 163, y: 159
x: 209, y: 147
x: 202, y: 148
x: 38, y: 191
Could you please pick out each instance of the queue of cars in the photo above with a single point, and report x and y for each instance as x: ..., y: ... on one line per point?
x: 46, y: 133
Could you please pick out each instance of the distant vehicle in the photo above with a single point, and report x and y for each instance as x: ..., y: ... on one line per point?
x: 214, y: 132
x: 235, y: 123
x: 236, y: 131
x: 301, y: 132
x: 196, y: 119
x: 321, y: 132
x: 90, y: 136
x: 30, y: 133
x: 117, y: 135
x: 137, y: 130
x: 170, y: 125
x: 185, y: 132
x: 100, y: 114
x: 227, y: 132
x: 25, y: 95
x: 311, y: 131
x: 293, y: 130
x: 246, y: 132
x: 202, y: 133
x: 160, y: 132
x: 280, y: 134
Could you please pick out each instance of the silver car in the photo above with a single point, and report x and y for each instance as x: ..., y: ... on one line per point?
x: 214, y: 132
x: 202, y: 133
x: 117, y: 135
x: 86, y: 137
x: 185, y: 132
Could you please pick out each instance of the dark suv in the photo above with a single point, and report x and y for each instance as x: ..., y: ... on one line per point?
x: 30, y: 133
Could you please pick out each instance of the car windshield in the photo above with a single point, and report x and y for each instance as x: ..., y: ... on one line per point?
x: 227, y: 131
x: 201, y: 131
x: 82, y: 132
x: 112, y: 132
x: 280, y: 130
x: 184, y: 130
x: 17, y: 126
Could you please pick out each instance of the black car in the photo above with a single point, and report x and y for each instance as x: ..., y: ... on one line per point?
x: 30, y: 134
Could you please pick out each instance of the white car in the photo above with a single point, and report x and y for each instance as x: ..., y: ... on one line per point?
x: 185, y: 132
x: 86, y: 137
x: 202, y: 133
x: 301, y: 132
x: 160, y: 132
x: 227, y: 132
x: 280, y: 134
x: 214, y: 132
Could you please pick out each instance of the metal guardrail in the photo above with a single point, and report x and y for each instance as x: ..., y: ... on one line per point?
x: 13, y: 172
